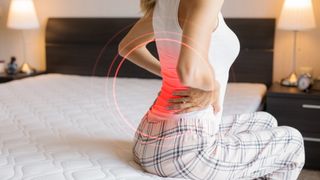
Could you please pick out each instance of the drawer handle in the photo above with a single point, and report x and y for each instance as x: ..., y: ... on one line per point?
x: 310, y: 106
x: 311, y: 139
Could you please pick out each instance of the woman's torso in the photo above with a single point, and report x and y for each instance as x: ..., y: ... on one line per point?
x: 223, y: 50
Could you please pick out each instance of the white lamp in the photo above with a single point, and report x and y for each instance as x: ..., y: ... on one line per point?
x: 296, y: 15
x: 22, y: 15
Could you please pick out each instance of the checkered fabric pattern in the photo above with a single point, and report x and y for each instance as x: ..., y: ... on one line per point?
x: 246, y: 146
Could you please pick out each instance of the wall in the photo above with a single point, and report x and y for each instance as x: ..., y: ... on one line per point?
x: 307, y: 43
x: 11, y: 41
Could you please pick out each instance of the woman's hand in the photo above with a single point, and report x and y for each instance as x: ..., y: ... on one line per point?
x: 193, y: 99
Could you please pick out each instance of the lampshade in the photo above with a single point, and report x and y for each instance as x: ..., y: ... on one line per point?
x: 297, y: 15
x: 22, y: 15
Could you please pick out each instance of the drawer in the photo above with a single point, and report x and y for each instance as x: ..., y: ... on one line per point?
x: 302, y: 114
x: 312, y: 152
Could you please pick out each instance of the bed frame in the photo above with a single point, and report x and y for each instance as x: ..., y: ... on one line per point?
x: 87, y: 46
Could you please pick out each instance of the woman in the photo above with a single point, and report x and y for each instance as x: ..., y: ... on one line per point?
x: 183, y: 134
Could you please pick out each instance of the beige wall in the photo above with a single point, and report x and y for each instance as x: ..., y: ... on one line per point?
x: 11, y: 42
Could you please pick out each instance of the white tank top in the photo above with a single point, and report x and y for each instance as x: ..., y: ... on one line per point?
x: 224, y: 49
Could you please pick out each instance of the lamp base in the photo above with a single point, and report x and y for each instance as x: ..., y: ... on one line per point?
x: 290, y: 81
x: 26, y: 68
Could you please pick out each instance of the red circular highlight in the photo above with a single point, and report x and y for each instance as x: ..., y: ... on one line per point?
x: 118, y: 69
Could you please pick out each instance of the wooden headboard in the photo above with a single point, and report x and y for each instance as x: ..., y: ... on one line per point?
x: 88, y: 46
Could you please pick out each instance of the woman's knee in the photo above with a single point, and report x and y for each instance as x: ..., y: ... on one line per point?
x: 297, y: 140
x: 270, y: 120
x: 295, y: 134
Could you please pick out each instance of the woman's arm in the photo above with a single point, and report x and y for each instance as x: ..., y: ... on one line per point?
x: 133, y: 46
x: 193, y: 67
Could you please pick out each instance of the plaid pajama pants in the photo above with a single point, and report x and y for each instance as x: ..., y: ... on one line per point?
x: 246, y: 146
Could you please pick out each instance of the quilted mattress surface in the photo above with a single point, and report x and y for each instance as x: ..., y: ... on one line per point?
x: 55, y: 127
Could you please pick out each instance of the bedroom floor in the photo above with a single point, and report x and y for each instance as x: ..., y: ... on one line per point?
x: 309, y: 175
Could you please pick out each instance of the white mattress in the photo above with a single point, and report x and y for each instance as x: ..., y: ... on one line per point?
x: 244, y: 98
x: 67, y: 127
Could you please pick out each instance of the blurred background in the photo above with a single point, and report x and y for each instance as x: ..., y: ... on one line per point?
x: 11, y: 42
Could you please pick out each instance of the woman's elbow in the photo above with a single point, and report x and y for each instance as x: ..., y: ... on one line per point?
x: 122, y: 49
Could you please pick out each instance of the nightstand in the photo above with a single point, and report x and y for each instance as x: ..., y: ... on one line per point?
x: 300, y: 110
x: 6, y: 78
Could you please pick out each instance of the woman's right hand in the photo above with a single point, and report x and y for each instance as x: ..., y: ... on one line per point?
x: 193, y: 99
x: 216, y: 98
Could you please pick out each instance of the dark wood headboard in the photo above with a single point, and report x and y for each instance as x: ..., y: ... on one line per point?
x: 88, y: 46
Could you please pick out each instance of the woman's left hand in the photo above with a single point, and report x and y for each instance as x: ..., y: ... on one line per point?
x: 192, y: 99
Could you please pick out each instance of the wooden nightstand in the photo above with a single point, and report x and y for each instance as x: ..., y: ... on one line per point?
x: 300, y: 110
x: 6, y: 78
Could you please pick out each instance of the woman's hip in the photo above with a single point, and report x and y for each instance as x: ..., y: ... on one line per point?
x: 202, y: 123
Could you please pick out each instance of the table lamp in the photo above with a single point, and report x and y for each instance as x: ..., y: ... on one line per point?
x: 296, y: 15
x: 22, y: 16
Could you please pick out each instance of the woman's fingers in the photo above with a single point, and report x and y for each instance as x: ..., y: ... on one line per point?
x: 190, y: 99
x: 216, y: 108
x: 179, y: 100
x: 181, y: 92
x: 193, y: 99
x: 216, y: 102
x: 179, y: 106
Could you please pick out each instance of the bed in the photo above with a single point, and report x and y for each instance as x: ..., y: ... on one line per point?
x: 72, y: 123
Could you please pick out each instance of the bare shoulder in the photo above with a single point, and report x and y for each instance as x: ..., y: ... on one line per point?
x: 145, y: 22
x: 202, y: 8
x: 202, y: 13
x: 203, y: 4
x: 147, y: 17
